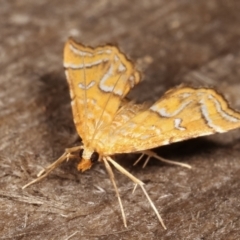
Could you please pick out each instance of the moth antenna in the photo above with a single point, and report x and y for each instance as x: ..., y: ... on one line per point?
x: 121, y: 99
x: 112, y: 178
x: 85, y: 96
x: 99, y: 120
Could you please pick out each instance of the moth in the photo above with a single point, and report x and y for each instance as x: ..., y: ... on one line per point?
x: 99, y: 80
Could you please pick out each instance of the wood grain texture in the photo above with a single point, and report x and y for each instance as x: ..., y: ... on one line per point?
x: 174, y: 41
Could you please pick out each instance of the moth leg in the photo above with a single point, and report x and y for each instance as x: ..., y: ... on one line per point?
x: 137, y: 182
x: 43, y: 173
x: 139, y: 159
x: 69, y: 156
x: 150, y: 154
x: 112, y: 178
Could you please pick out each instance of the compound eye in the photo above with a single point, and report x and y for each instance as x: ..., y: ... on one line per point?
x: 94, y: 157
x: 81, y: 153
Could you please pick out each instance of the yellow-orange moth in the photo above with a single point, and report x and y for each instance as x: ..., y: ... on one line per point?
x: 99, y: 79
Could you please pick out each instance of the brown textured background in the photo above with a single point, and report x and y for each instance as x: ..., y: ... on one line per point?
x: 173, y: 41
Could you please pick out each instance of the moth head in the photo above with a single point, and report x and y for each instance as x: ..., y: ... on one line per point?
x: 88, y: 157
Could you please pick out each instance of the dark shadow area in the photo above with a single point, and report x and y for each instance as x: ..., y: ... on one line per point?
x: 54, y: 96
x: 58, y: 127
x: 177, y: 151
x: 189, y: 148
